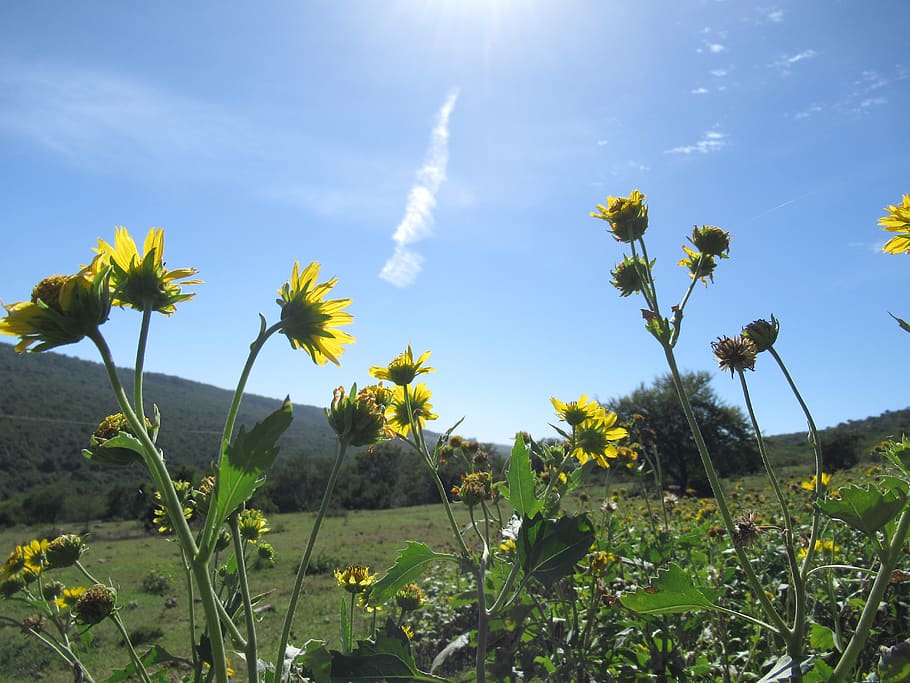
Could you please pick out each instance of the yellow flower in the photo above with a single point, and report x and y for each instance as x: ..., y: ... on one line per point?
x: 402, y: 369
x: 810, y: 485
x: 898, y: 221
x: 252, y: 524
x: 309, y: 321
x: 508, y: 546
x: 141, y: 280
x: 360, y: 416
x: 627, y: 216
x: 355, y: 578
x: 597, y: 563
x: 421, y: 408
x: 409, y: 597
x: 475, y: 487
x: 575, y: 412
x: 825, y: 545
x: 69, y: 598
x: 701, y: 265
x: 593, y: 437
x: 63, y: 309
x: 408, y: 632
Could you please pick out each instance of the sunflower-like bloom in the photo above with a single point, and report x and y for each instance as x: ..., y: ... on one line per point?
x: 575, y: 412
x: 735, y: 354
x: 593, y: 439
x: 421, y: 408
x: 897, y: 221
x: 811, y: 483
x: 821, y: 546
x: 711, y: 240
x: 701, y: 265
x: 26, y: 561
x: 309, y: 321
x: 252, y: 524
x: 63, y: 309
x: 161, y: 517
x: 69, y: 597
x: 355, y: 578
x: 141, y: 280
x: 64, y: 551
x: 95, y: 604
x: 403, y: 368
x: 409, y: 597
x: 361, y: 415
x: 627, y: 216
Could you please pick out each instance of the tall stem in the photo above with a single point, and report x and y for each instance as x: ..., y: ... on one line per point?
x: 305, y: 562
x: 252, y: 664
x: 140, y: 362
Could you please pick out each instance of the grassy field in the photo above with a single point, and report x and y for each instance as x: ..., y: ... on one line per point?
x: 123, y: 554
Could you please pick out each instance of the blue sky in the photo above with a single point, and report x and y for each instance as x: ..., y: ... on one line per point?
x: 441, y: 158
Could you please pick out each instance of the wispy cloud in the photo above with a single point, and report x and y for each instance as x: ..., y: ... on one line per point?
x: 773, y: 14
x: 403, y: 267
x: 602, y: 142
x: 872, y: 102
x: 711, y: 141
x: 719, y: 73
x: 808, y: 111
x: 786, y: 62
x: 699, y: 91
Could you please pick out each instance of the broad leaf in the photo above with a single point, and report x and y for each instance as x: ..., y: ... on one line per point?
x: 386, y: 658
x: 245, y: 461
x: 672, y: 591
x: 867, y: 508
x: 522, y: 481
x: 781, y: 671
x: 548, y: 549
x: 123, y: 449
x: 413, y: 560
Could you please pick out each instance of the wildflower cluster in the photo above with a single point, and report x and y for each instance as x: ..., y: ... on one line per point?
x: 361, y: 416
x: 593, y: 430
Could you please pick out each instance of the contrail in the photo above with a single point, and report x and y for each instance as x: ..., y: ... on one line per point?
x: 404, y: 265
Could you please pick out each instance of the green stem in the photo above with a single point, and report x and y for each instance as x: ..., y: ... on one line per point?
x: 864, y: 625
x: 137, y: 662
x: 773, y: 617
x: 140, y: 362
x: 305, y: 562
x: 252, y: 664
x: 349, y: 636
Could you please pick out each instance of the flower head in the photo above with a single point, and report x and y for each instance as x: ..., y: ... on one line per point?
x: 593, y: 439
x: 63, y: 309
x: 897, y: 221
x: 701, y: 265
x: 63, y: 551
x: 409, y: 597
x: 421, y: 408
x: 627, y: 216
x: 69, y: 597
x: 628, y: 277
x: 813, y: 482
x: 575, y: 412
x: 252, y: 524
x: 711, y: 240
x: 403, y: 368
x: 361, y: 415
x: 355, y: 578
x: 308, y: 320
x: 745, y: 530
x: 762, y: 333
x: 109, y: 428
x: 95, y: 604
x: 475, y: 487
x: 735, y: 354
x: 141, y: 281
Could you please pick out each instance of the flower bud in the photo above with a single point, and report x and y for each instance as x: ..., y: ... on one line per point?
x: 63, y: 551
x: 762, y: 333
x: 628, y: 277
x: 409, y: 598
x: 711, y: 240
x: 95, y: 604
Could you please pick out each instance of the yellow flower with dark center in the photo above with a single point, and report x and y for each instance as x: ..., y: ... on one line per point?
x: 421, y: 408
x: 409, y: 597
x: 403, y: 368
x: 355, y: 578
x: 575, y: 412
x: 252, y: 524
x: 63, y: 310
x: 140, y: 280
x: 161, y: 518
x: 701, y: 265
x: 597, y: 562
x: 593, y: 439
x: 735, y: 354
x: 69, y: 597
x: 897, y: 221
x: 311, y: 322
x: 627, y: 216
x: 34, y: 555
x: 821, y: 546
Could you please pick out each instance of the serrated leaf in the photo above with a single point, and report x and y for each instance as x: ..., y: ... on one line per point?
x: 244, y: 462
x: 412, y: 561
x: 521, y: 481
x: 894, y: 666
x: 866, y: 509
x: 672, y: 591
x: 548, y: 549
x: 123, y: 449
x: 821, y: 637
x: 316, y: 660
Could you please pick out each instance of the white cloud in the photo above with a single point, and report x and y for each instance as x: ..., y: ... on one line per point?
x: 602, y: 143
x: 872, y: 102
x: 773, y: 14
x: 715, y: 47
x: 699, y: 91
x: 711, y: 141
x: 403, y: 267
x: 638, y: 166
x: 808, y: 111
x: 719, y: 73
x: 786, y: 62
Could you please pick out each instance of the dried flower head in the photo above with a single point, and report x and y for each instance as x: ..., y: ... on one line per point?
x: 95, y: 604
x: 745, y: 530
x: 735, y: 354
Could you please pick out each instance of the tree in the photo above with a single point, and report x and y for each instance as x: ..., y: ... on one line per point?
x: 729, y: 438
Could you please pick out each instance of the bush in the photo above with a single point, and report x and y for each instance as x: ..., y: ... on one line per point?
x: 156, y: 582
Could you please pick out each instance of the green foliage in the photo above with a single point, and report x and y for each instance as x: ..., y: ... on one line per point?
x: 672, y: 591
x: 156, y: 582
x: 412, y: 562
x: 724, y: 428
x: 520, y: 493
x: 866, y: 508
x: 549, y: 548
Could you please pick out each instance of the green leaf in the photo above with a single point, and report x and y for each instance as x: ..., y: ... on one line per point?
x: 155, y: 655
x: 413, y: 560
x: 521, y: 481
x: 905, y: 326
x: 387, y: 658
x: 245, y: 461
x: 821, y: 637
x: 867, y: 508
x: 672, y: 591
x: 123, y: 449
x: 782, y: 668
x: 548, y: 549
x: 315, y: 659
x: 894, y: 666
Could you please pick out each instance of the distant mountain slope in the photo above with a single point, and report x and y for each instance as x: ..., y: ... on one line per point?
x: 50, y: 404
